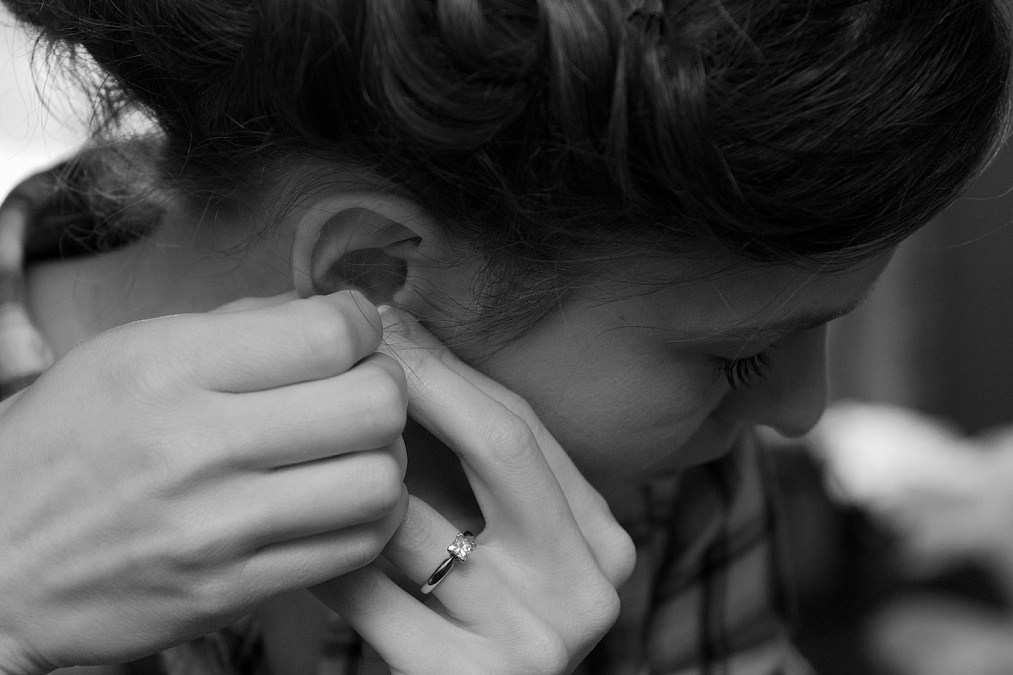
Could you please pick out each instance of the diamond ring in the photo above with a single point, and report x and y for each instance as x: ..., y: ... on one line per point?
x: 464, y: 544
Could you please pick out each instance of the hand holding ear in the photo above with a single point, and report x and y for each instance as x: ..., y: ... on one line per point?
x: 163, y: 478
x: 540, y: 589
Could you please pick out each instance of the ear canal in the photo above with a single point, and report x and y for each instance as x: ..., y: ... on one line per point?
x: 372, y: 271
x: 342, y: 247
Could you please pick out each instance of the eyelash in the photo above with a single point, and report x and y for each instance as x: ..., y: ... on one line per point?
x: 743, y: 372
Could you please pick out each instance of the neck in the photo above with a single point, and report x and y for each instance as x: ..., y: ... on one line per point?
x: 191, y: 262
x: 195, y: 263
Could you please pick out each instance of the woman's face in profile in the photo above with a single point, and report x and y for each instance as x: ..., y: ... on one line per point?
x: 636, y: 382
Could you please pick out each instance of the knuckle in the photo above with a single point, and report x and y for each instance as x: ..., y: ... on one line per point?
x: 323, y: 330
x: 519, y: 406
x: 510, y: 439
x: 386, y: 527
x: 178, y: 562
x: 550, y: 648
x: 622, y: 556
x: 613, y: 547
x: 214, y: 447
x: 133, y: 368
x: 195, y: 544
x: 603, y: 608
x: 178, y: 448
x: 386, y: 404
x: 213, y: 595
x: 382, y: 483
x: 158, y: 459
x: 362, y: 550
x: 392, y: 369
x: 615, y: 552
x: 547, y: 652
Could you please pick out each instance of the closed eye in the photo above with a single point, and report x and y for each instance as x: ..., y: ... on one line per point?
x: 743, y: 372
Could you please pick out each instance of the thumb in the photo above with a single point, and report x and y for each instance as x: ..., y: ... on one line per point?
x: 246, y: 304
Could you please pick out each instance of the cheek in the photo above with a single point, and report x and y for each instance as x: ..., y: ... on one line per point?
x: 617, y: 414
x: 627, y: 425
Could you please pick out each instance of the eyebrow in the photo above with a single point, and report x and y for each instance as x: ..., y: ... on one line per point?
x: 795, y: 323
x: 752, y: 329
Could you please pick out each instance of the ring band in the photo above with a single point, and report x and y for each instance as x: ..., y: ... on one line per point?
x: 464, y: 544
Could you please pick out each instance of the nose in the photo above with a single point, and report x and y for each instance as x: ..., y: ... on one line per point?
x: 792, y: 395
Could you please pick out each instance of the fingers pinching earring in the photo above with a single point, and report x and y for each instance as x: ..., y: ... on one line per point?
x: 464, y: 544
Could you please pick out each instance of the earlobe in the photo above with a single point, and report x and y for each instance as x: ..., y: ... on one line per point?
x: 342, y: 246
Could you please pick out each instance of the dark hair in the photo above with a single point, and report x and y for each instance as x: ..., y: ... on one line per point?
x: 804, y: 132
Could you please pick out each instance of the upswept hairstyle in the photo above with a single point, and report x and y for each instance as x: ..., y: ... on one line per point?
x: 557, y: 132
x: 803, y: 132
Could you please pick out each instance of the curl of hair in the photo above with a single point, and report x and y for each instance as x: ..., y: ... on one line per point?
x: 805, y: 132
x: 556, y: 133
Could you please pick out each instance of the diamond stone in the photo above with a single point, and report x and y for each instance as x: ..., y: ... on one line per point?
x: 461, y: 547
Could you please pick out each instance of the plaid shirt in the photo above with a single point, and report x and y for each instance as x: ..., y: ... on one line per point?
x: 706, y: 597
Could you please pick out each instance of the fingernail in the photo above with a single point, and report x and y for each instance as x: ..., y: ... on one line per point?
x: 388, y: 315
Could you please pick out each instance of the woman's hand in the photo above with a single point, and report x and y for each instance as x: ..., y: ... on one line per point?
x: 166, y: 476
x: 540, y: 590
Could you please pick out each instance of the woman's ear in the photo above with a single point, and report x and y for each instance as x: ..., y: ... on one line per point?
x: 360, y: 241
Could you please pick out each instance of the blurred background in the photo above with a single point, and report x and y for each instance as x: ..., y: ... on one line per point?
x: 41, y: 118
x: 934, y: 337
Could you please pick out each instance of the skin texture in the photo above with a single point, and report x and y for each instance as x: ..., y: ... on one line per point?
x: 633, y: 386
x: 625, y: 363
x: 190, y: 416
x: 160, y: 483
x: 543, y: 524
x: 582, y: 372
